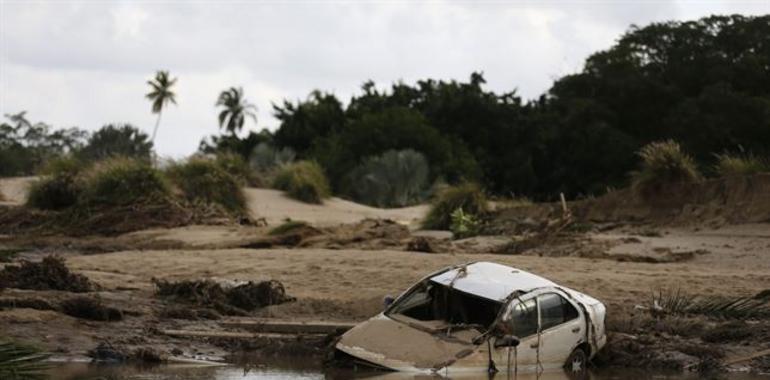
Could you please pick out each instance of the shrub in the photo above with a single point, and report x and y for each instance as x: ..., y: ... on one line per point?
x: 18, y: 361
x: 304, y: 181
x: 237, y: 167
x: 663, y: 163
x: 59, y: 187
x: 393, y: 179
x: 202, y: 180
x: 49, y: 274
x: 122, y: 181
x: 53, y: 193
x: 469, y: 197
x: 740, y: 165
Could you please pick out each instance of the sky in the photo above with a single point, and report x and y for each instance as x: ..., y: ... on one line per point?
x: 86, y: 63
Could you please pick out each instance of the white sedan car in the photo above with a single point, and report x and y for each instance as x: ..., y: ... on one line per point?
x: 480, y: 317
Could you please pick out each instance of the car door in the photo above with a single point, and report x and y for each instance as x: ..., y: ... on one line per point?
x: 521, y: 319
x: 562, y: 328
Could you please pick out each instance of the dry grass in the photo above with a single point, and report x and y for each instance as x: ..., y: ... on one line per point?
x: 663, y: 163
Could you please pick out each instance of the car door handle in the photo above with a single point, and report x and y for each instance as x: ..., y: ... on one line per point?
x: 576, y: 330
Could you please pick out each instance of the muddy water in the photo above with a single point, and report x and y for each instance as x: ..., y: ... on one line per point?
x: 300, y: 370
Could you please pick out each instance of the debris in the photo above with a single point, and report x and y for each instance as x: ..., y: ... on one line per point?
x: 106, y: 352
x: 49, y: 274
x: 420, y: 244
x: 236, y: 300
x: 90, y: 308
x: 26, y: 303
x: 728, y: 332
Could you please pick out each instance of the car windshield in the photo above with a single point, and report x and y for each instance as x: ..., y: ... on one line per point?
x: 433, y: 302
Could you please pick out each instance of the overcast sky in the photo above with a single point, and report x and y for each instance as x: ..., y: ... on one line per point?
x: 85, y: 63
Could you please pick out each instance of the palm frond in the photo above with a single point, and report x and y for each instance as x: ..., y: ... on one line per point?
x: 678, y: 302
x: 19, y: 361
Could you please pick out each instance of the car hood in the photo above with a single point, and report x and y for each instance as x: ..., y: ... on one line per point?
x: 398, y: 346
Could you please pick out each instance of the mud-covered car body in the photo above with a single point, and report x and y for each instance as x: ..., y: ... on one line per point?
x: 480, y: 317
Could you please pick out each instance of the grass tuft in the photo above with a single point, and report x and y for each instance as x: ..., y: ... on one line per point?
x: 304, y: 181
x: 124, y: 181
x: 663, y: 163
x: 203, y: 180
x: 469, y: 197
x: 677, y: 302
x: 740, y: 165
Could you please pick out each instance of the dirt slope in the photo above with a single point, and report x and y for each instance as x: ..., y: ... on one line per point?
x: 14, y: 189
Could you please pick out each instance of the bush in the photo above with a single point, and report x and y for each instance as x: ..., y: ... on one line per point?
x: 49, y: 274
x: 59, y: 187
x: 237, y: 167
x: 394, y: 179
x: 123, y: 181
x: 469, y: 197
x: 202, y: 180
x: 740, y: 165
x: 54, y: 193
x: 304, y: 181
x: 663, y: 163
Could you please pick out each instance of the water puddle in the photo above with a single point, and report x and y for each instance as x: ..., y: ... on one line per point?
x: 299, y: 370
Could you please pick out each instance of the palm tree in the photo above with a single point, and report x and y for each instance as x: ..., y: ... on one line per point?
x: 160, y: 95
x: 235, y: 111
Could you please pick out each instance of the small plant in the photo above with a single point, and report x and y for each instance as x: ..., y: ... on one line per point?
x: 123, y: 181
x: 393, y: 179
x: 469, y: 197
x: 18, y: 361
x: 203, y: 180
x: 663, y: 163
x: 740, y: 165
x: 463, y: 225
x: 304, y: 181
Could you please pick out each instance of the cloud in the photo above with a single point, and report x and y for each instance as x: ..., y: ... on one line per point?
x: 85, y: 63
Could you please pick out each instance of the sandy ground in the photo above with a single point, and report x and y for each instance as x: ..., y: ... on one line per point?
x: 14, y: 190
x: 275, y: 207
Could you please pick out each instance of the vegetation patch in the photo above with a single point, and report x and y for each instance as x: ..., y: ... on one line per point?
x: 124, y: 181
x: 740, y: 165
x: 397, y: 178
x: 663, y: 164
x: 304, y: 181
x: 732, y: 331
x: 677, y: 302
x: 54, y: 192
x: 49, y: 274
x: 205, y: 181
x: 90, y: 308
x: 19, y: 361
x: 469, y: 197
x: 237, y: 300
x: 464, y: 225
x: 237, y: 167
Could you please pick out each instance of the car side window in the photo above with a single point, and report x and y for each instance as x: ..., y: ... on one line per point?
x: 555, y: 310
x: 523, y: 320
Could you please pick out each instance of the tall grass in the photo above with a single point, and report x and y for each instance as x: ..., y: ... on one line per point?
x: 729, y: 165
x: 123, y: 181
x: 304, y: 181
x: 663, y: 163
x: 18, y: 361
x: 237, y: 167
x: 468, y: 196
x: 204, y: 180
x: 393, y: 179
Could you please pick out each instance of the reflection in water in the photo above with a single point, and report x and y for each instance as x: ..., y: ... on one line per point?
x: 303, y: 371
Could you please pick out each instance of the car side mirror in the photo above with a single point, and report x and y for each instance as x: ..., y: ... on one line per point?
x: 387, y: 301
x: 507, y: 341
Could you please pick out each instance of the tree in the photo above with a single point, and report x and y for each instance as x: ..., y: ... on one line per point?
x: 235, y: 111
x: 116, y: 140
x: 160, y: 95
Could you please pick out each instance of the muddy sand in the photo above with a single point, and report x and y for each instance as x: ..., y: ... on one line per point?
x: 348, y: 285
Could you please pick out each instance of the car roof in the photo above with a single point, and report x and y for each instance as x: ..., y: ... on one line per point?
x: 490, y: 280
